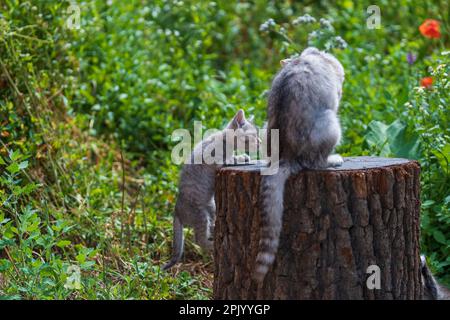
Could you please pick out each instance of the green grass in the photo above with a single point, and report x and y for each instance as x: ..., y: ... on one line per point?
x: 86, y: 118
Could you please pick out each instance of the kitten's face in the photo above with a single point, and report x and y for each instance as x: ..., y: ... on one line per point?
x: 246, y: 132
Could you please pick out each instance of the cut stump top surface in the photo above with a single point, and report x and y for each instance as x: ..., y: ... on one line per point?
x: 350, y: 164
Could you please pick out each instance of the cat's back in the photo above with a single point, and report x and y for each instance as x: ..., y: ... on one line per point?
x: 301, y: 93
x: 196, y: 182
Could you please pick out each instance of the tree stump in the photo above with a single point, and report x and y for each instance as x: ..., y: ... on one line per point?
x: 337, y: 222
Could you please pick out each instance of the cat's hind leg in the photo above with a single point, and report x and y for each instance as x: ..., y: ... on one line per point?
x: 212, y: 218
x: 202, y: 230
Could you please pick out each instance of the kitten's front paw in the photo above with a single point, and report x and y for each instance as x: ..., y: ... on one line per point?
x: 335, y: 160
x: 241, y: 159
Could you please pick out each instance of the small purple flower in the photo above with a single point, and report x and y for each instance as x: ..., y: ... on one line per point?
x: 411, y: 58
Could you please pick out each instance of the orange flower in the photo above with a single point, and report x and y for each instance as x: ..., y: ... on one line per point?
x: 426, y: 82
x: 430, y: 28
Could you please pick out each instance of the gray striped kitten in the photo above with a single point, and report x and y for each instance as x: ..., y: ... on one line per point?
x: 195, y: 205
x: 303, y: 103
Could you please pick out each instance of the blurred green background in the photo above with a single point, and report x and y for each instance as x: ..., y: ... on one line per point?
x: 86, y: 116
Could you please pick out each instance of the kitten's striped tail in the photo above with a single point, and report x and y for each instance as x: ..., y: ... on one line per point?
x: 178, y: 243
x: 272, y: 191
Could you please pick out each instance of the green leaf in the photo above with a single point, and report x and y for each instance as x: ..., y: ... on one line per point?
x: 87, y: 265
x: 395, y: 128
x: 393, y: 140
x: 443, y: 156
x: 16, y: 155
x: 13, y: 168
x: 377, y: 137
x: 81, y: 258
x: 427, y: 203
x: 23, y: 165
x: 63, y: 243
x: 6, y: 242
x: 4, y: 265
x: 32, y: 227
x: 28, y: 188
x: 47, y: 271
x: 403, y: 143
x: 2, y: 161
x: 439, y: 237
x: 15, y: 230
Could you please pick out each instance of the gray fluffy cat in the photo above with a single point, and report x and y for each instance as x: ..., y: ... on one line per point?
x: 303, y: 103
x: 195, y: 205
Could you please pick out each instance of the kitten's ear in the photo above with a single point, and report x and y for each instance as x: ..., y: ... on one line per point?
x: 240, y: 118
x: 284, y: 62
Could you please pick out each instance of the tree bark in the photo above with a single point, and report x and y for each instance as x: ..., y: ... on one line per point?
x: 336, y: 223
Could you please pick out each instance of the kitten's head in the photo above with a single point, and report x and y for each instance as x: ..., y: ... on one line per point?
x: 327, y: 58
x: 246, y: 133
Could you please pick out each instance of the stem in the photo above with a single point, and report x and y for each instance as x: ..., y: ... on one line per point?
x: 12, y: 261
x: 292, y: 43
x: 122, y: 205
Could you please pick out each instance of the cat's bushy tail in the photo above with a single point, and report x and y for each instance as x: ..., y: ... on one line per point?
x: 432, y: 289
x: 272, y: 191
x: 178, y: 243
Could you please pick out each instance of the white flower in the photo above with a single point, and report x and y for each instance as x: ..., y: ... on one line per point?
x: 263, y: 27
x: 340, y: 43
x: 419, y: 90
x: 305, y: 19
x: 266, y: 26
x: 312, y: 35
x: 439, y: 67
x: 271, y: 22
x: 326, y: 24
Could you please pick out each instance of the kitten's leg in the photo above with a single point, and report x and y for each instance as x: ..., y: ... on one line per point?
x: 202, y: 231
x: 212, y: 218
x: 335, y: 160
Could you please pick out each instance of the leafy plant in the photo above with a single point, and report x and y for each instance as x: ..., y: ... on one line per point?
x: 86, y: 184
x: 392, y: 140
